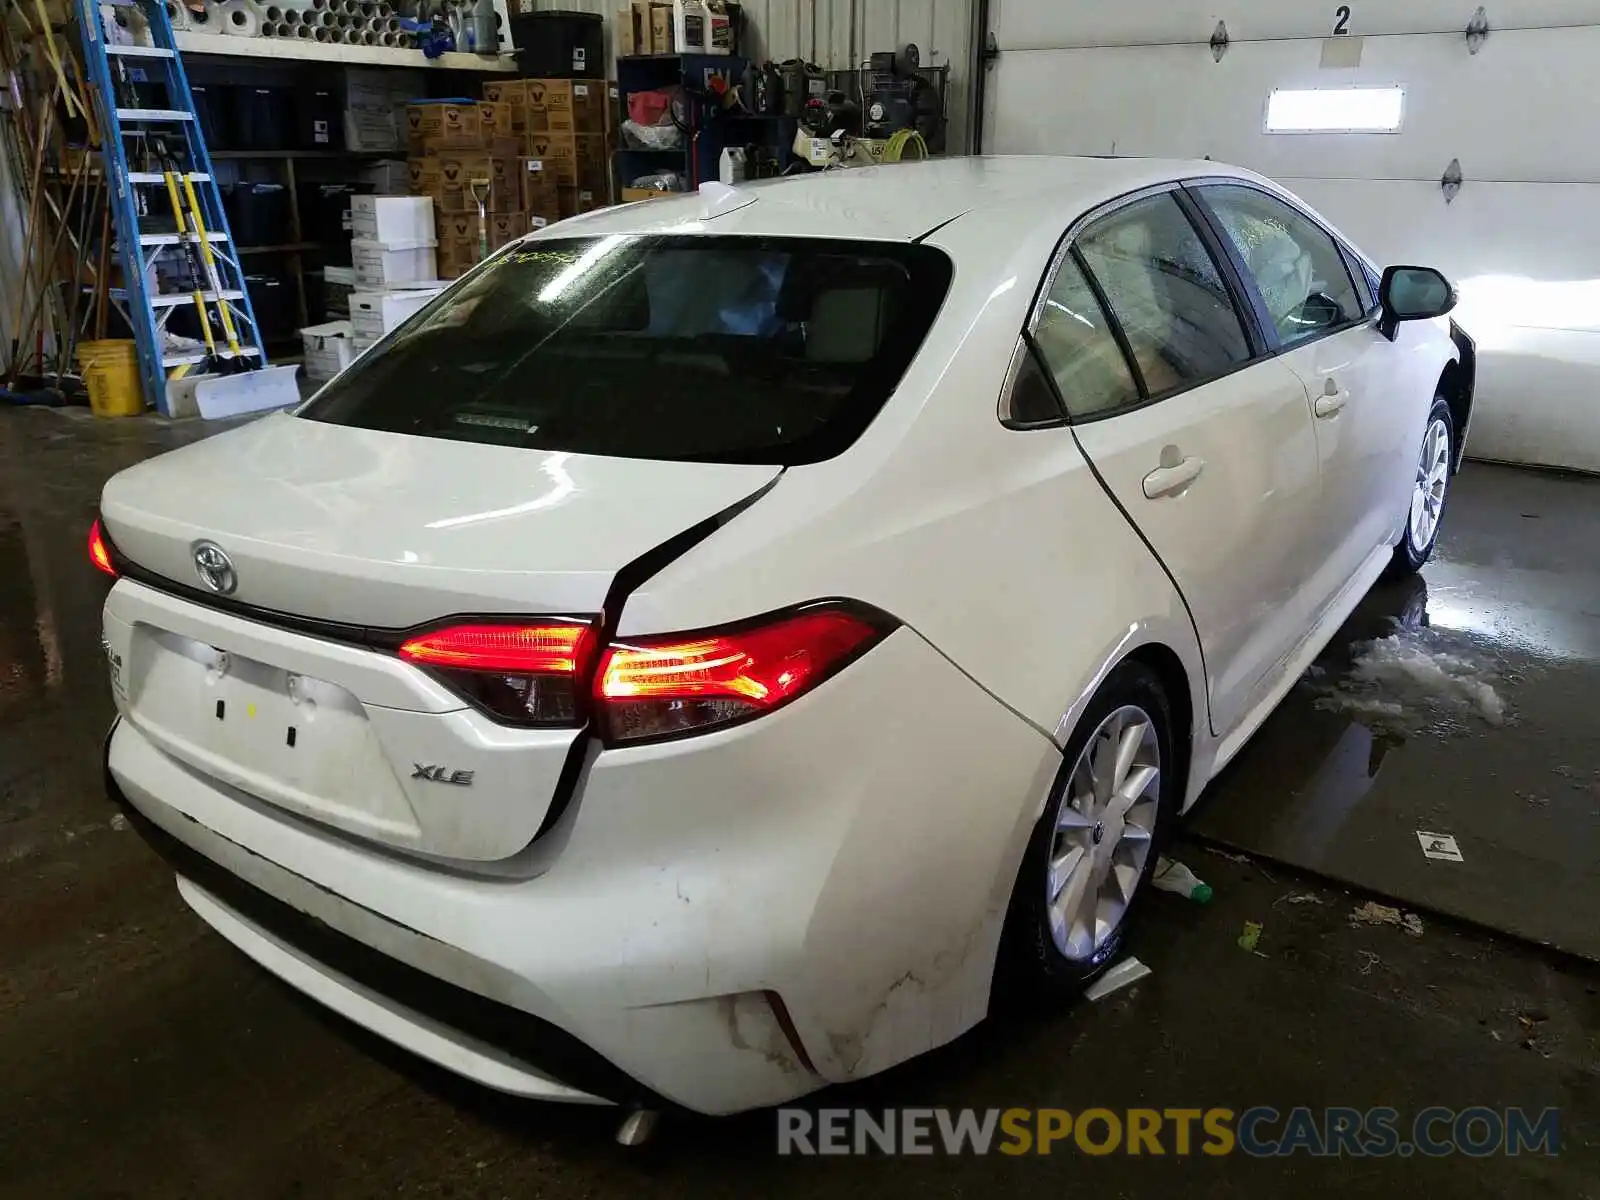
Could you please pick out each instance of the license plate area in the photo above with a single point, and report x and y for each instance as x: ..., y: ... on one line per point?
x: 287, y: 737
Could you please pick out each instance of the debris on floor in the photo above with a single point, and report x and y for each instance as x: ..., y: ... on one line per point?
x: 1373, y: 913
x: 119, y: 823
x: 1300, y: 898
x: 1410, y: 679
x: 1174, y: 877
x: 1441, y: 846
x: 1368, y: 961
x: 1129, y: 971
x: 1251, y: 936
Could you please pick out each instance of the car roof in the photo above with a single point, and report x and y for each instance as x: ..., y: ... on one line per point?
x: 898, y: 201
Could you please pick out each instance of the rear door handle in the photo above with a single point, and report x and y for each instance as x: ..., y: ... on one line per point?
x: 1170, y: 480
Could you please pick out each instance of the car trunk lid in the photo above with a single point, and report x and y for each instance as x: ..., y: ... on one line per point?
x: 339, y: 538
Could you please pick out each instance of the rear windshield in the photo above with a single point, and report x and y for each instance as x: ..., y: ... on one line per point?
x: 713, y: 349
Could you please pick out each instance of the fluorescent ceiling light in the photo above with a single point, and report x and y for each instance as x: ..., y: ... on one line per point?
x: 1336, y: 110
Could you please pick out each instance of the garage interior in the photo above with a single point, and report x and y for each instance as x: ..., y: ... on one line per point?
x: 142, y: 1056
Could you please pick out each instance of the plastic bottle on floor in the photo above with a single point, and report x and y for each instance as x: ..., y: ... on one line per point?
x: 1174, y: 877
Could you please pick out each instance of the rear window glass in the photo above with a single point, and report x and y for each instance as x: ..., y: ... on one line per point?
x: 716, y: 349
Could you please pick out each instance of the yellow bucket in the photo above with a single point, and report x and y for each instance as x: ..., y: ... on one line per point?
x: 110, y: 370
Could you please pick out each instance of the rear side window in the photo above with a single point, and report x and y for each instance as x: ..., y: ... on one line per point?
x: 1077, y: 344
x: 1166, y: 293
x: 715, y: 349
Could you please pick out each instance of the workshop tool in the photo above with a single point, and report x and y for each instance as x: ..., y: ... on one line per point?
x: 177, y: 379
x: 480, y: 191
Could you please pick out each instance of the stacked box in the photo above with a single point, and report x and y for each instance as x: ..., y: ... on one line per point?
x: 372, y: 99
x: 565, y: 125
x: 539, y: 194
x: 463, y: 157
x: 579, y: 164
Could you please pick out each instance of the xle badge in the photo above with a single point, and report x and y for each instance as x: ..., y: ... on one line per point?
x: 442, y: 775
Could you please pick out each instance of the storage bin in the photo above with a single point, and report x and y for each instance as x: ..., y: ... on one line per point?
x: 319, y: 119
x: 273, y: 302
x: 258, y: 213
x: 381, y: 267
x: 213, y: 106
x: 556, y: 44
x: 262, y: 118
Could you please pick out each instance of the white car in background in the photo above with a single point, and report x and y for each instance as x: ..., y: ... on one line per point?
x: 688, y: 659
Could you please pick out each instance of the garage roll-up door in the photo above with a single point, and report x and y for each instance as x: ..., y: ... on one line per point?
x: 1521, y: 116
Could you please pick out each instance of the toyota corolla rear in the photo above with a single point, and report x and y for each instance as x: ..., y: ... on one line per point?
x: 374, y: 705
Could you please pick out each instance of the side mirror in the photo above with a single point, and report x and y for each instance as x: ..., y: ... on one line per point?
x: 1413, y: 294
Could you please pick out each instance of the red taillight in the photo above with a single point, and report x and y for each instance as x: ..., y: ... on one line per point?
x: 523, y: 674
x: 661, y: 687
x: 100, y: 550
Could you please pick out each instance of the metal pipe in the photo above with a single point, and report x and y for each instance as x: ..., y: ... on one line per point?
x: 304, y: 31
x: 322, y: 33
x: 273, y: 14
x: 270, y: 30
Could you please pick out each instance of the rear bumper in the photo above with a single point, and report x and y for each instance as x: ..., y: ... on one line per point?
x: 719, y: 923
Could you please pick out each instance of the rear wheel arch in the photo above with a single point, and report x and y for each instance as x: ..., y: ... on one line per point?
x: 1457, y: 384
x: 1174, y: 677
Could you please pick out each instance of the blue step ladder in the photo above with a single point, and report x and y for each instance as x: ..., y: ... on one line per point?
x: 173, y: 242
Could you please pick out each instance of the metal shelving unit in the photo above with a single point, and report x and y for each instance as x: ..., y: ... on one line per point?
x: 301, y: 50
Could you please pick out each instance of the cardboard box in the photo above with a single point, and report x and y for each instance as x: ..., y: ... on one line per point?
x: 580, y: 200
x: 507, y: 91
x: 457, y: 256
x: 632, y: 27
x: 448, y: 180
x: 506, y: 227
x: 455, y: 226
x: 576, y: 159
x: 661, y: 29
x: 564, y: 106
x: 496, y: 120
x: 380, y: 266
x: 444, y: 125
x: 631, y: 194
x: 424, y: 175
x: 392, y: 220
x: 373, y: 314
x: 383, y: 87
x: 387, y: 176
x: 538, y: 189
x: 328, y: 349
x: 370, y: 129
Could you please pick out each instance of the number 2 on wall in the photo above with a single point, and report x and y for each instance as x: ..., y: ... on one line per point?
x: 1342, y: 25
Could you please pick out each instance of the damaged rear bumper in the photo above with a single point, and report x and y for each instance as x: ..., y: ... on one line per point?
x: 718, y: 923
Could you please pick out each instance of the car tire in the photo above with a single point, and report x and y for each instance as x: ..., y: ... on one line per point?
x: 1033, y: 964
x: 1430, y: 490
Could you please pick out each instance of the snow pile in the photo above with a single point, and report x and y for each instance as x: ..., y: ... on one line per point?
x: 1408, y: 679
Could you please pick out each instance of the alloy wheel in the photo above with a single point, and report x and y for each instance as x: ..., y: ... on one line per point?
x: 1433, y: 478
x: 1104, y: 829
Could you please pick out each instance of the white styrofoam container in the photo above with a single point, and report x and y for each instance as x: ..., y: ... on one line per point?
x: 378, y: 266
x: 329, y: 349
x: 392, y: 220
x: 373, y: 314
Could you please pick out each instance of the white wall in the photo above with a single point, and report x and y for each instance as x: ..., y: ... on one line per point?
x: 1522, y: 116
x: 838, y: 34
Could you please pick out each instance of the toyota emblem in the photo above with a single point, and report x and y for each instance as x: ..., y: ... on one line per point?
x: 215, y: 568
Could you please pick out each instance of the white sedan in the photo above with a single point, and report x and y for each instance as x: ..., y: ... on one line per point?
x: 697, y: 656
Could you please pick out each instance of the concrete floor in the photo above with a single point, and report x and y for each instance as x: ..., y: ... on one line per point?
x: 141, y: 1056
